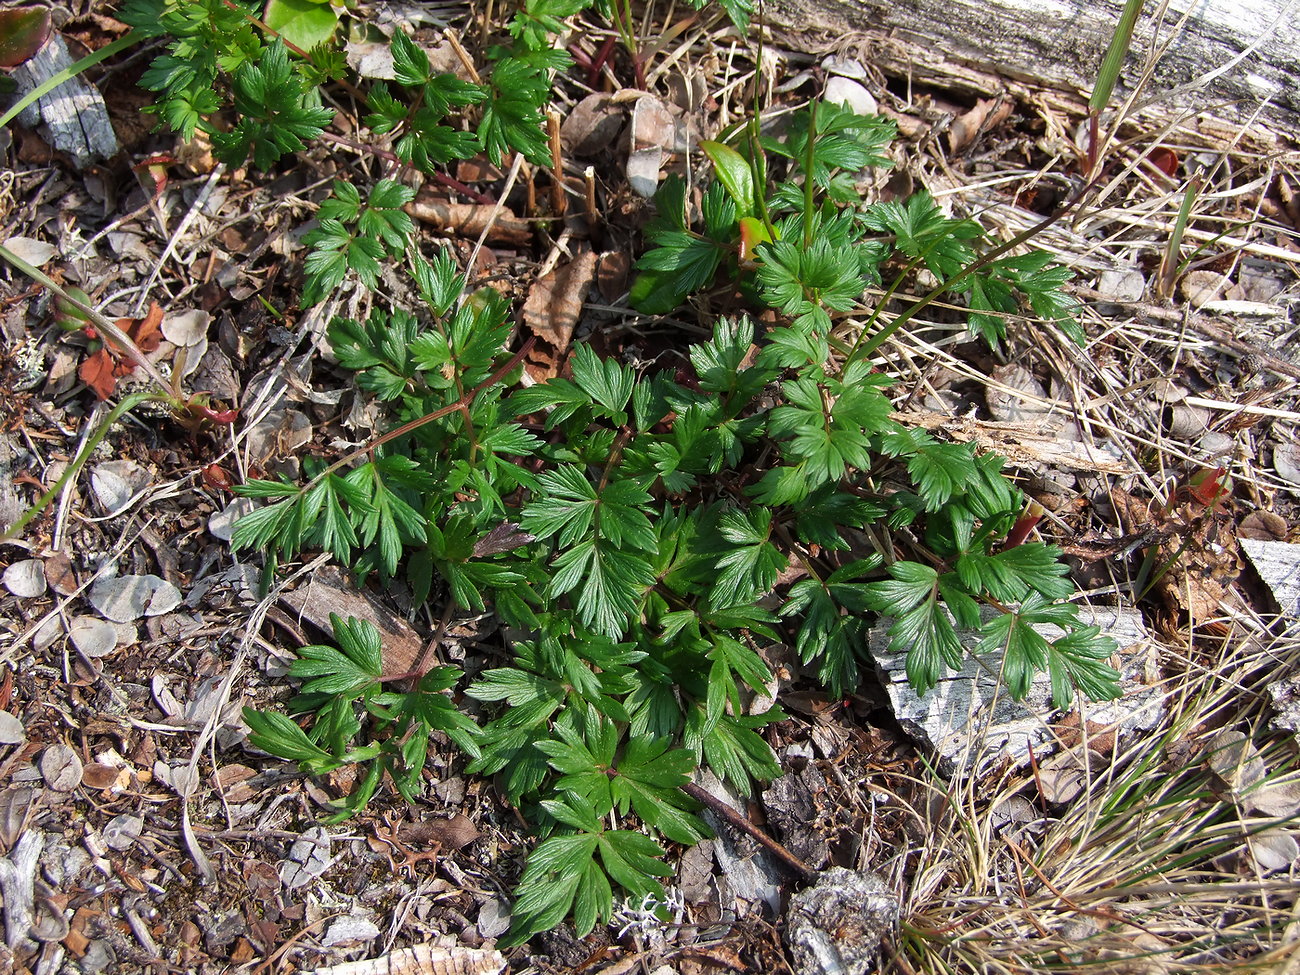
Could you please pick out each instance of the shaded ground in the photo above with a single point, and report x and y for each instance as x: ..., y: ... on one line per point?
x: 166, y: 844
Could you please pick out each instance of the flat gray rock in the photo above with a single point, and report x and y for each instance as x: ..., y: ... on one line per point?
x: 972, y: 722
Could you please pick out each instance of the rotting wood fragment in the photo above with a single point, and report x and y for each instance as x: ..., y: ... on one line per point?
x: 426, y: 959
x: 328, y: 592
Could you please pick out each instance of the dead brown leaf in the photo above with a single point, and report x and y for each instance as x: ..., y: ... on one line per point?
x: 456, y: 832
x: 611, y: 275
x: 1263, y: 526
x: 593, y: 125
x: 987, y: 114
x: 98, y: 777
x: 554, y: 307
x: 469, y: 220
x: 59, y: 573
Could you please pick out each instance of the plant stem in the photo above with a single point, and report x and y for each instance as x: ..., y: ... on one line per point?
x: 808, y: 187
x: 787, y: 859
x: 461, y: 404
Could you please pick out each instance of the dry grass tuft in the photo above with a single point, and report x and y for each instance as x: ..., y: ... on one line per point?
x: 1150, y: 871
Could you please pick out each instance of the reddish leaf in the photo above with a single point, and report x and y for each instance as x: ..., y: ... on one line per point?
x: 145, y: 332
x: 152, y: 172
x: 23, y: 30
x: 1208, y: 486
x: 100, y: 372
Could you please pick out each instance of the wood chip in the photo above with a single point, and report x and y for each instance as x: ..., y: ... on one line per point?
x: 835, y: 926
x: 971, y: 720
x: 308, y: 858
x: 351, y: 930
x: 1278, y: 564
x: 74, y: 112
x: 425, y: 959
x: 1022, y: 444
x: 61, y: 768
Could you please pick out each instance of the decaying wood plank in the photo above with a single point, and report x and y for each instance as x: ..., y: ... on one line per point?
x: 73, y: 113
x: 1022, y: 444
x: 1227, y: 58
x: 425, y: 959
x: 970, y: 719
x: 328, y: 592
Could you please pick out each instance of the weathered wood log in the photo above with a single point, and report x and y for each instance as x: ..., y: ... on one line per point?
x: 1228, y: 59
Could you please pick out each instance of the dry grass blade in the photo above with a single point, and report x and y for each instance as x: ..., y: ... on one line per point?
x: 1149, y: 871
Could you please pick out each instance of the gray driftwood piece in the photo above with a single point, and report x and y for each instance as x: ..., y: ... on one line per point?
x: 1278, y: 564
x: 972, y: 722
x: 1244, y: 51
x: 73, y: 113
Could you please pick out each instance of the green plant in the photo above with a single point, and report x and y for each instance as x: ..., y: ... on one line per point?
x: 396, y: 724
x: 645, y: 537
x: 629, y: 528
x: 220, y: 58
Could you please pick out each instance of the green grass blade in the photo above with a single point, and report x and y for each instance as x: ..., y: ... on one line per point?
x: 1118, y: 50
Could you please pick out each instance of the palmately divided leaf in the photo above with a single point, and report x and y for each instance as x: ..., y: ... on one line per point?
x: 607, y: 381
x: 439, y: 281
x: 923, y: 231
x: 277, y: 734
x: 750, y: 562
x: 921, y: 628
x: 610, y: 584
x: 567, y: 506
x: 278, y: 116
